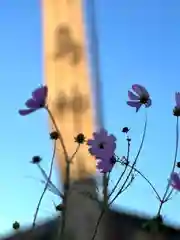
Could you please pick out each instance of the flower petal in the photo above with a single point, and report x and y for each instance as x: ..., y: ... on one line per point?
x: 149, y: 103
x: 31, y: 103
x: 175, y: 178
x: 40, y: 93
x: 95, y: 135
x: 137, y: 105
x: 132, y: 96
x: 140, y: 90
x: 177, y: 98
x: 176, y: 187
x: 111, y: 139
x: 108, y: 142
x: 94, y: 151
x: 24, y: 112
x: 110, y: 147
x: 100, y: 136
x: 104, y: 154
x: 104, y: 166
x: 103, y: 133
x: 90, y: 142
x: 175, y: 181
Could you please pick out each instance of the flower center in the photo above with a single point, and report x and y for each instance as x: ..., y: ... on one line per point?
x: 80, y: 138
x: 143, y: 99
x: 101, y: 145
x: 41, y: 105
x: 176, y: 111
x: 113, y: 160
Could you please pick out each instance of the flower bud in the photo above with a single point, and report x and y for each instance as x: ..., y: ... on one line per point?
x: 80, y: 138
x: 16, y: 225
x: 36, y: 159
x: 125, y: 130
x: 54, y: 135
x: 176, y: 112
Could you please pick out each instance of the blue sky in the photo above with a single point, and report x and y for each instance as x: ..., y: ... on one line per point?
x: 139, y: 43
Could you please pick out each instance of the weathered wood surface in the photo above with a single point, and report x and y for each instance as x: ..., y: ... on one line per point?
x: 66, y: 73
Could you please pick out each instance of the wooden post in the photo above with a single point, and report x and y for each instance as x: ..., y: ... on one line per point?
x: 66, y: 71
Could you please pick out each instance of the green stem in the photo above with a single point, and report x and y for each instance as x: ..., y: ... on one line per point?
x: 105, y: 190
x: 67, y: 177
x: 45, y: 188
x: 117, y: 183
x: 66, y: 190
x: 59, y: 135
x: 173, y: 168
x: 147, y: 180
x: 98, y: 223
x: 103, y: 212
x: 134, y: 163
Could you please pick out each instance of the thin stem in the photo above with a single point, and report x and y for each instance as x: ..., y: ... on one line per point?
x: 102, y: 214
x: 74, y: 154
x: 122, y: 188
x: 173, y: 167
x: 147, y: 180
x: 105, y: 190
x: 135, y: 161
x: 98, y: 223
x: 67, y: 176
x: 128, y: 185
x: 51, y: 187
x: 66, y: 191
x: 45, y: 188
x: 169, y: 195
x: 59, y: 134
x: 117, y: 183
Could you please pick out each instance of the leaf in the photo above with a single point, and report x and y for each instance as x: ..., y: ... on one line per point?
x: 51, y: 187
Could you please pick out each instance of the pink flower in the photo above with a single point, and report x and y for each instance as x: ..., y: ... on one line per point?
x: 105, y: 166
x: 37, y: 101
x: 175, y: 181
x: 176, y: 110
x: 102, y: 146
x: 139, y: 98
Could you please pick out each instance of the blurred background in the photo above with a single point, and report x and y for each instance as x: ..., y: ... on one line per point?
x: 139, y: 43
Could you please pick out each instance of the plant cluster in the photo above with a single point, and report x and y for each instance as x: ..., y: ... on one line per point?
x: 102, y: 146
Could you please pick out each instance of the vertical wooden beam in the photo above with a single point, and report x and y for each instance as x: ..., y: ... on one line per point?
x: 66, y: 73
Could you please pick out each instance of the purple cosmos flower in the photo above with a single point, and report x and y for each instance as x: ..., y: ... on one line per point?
x: 175, y: 181
x: 105, y: 166
x: 139, y: 98
x: 102, y: 146
x: 176, y: 110
x: 37, y: 101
